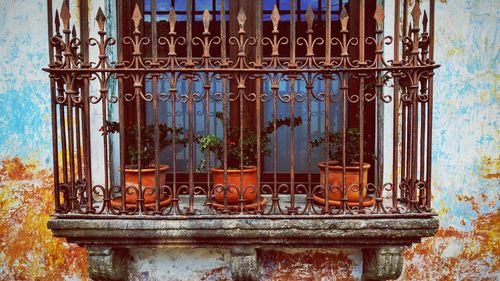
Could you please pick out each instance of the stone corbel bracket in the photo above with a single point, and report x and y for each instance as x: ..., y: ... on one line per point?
x: 107, y: 240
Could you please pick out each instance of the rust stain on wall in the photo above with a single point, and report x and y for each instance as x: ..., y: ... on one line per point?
x: 307, y: 265
x: 469, y: 199
x: 27, y: 249
x: 216, y: 274
x: 458, y: 255
x: 490, y: 168
x: 15, y: 169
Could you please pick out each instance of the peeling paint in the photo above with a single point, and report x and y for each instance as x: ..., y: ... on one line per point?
x: 466, y: 165
x: 28, y: 251
x: 310, y: 265
x: 458, y: 255
x: 179, y: 264
x: 490, y: 168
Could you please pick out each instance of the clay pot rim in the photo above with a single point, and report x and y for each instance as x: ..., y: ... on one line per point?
x: 334, y: 165
x: 249, y: 169
x: 163, y: 168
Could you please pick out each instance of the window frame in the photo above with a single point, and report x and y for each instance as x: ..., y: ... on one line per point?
x: 249, y: 113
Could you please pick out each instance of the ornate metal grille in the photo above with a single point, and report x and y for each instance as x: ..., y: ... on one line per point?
x: 400, y: 89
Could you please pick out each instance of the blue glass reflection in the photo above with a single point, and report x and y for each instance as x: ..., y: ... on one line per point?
x: 317, y: 124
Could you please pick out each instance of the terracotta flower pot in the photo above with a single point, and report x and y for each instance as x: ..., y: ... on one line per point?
x: 148, y: 181
x: 233, y: 181
x: 351, y: 178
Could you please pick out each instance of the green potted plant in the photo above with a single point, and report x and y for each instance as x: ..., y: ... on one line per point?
x: 352, y: 173
x: 238, y: 151
x: 147, y: 149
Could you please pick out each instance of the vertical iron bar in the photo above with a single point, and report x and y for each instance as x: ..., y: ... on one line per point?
x: 344, y: 82
x: 292, y: 209
x: 62, y: 121
x: 404, y: 129
x: 328, y: 36
x: 140, y: 196
x: 69, y: 105
x: 258, y: 88
x: 429, y: 113
x: 395, y: 130
x: 405, y: 17
x: 189, y: 35
x: 275, y: 92
x: 405, y: 158
x: 309, y: 138
x: 414, y: 116
x: 361, y: 101
x: 86, y: 141
x: 138, y: 96
x: 84, y: 33
x: 379, y: 96
x: 423, y: 89
x: 241, y: 109
x: 293, y: 15
x: 53, y: 110
x: 173, y: 96
x: 104, y: 93
x: 409, y: 156
x: 78, y: 141
x: 207, y: 123
x: 224, y: 91
x: 207, y: 86
x: 154, y: 52
x: 68, y: 57
x: 121, y: 109
x: 172, y: 57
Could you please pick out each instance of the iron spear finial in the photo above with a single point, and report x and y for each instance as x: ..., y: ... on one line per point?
x: 275, y: 18
x: 65, y: 15
x: 344, y: 18
x: 136, y: 16
x: 101, y: 19
x: 241, y: 18
x: 379, y: 15
x: 206, y: 20
x: 309, y: 17
x: 172, y: 18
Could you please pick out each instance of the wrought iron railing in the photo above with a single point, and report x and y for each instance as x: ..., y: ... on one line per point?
x: 89, y: 182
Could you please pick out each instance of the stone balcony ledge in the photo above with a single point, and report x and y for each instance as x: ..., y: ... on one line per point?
x: 107, y: 239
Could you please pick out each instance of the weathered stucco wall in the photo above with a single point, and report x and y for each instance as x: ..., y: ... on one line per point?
x: 466, y: 166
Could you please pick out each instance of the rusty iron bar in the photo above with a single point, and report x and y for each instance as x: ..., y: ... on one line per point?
x: 258, y: 89
x: 53, y: 110
x: 292, y: 210
x: 154, y: 63
x: 395, y: 98
x: 430, y: 111
x: 361, y: 112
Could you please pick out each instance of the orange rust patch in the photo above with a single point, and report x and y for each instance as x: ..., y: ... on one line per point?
x: 492, y: 176
x: 490, y: 168
x: 30, y: 251
x: 458, y: 255
x: 216, y: 274
x: 471, y: 200
x: 15, y: 169
x: 307, y: 265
